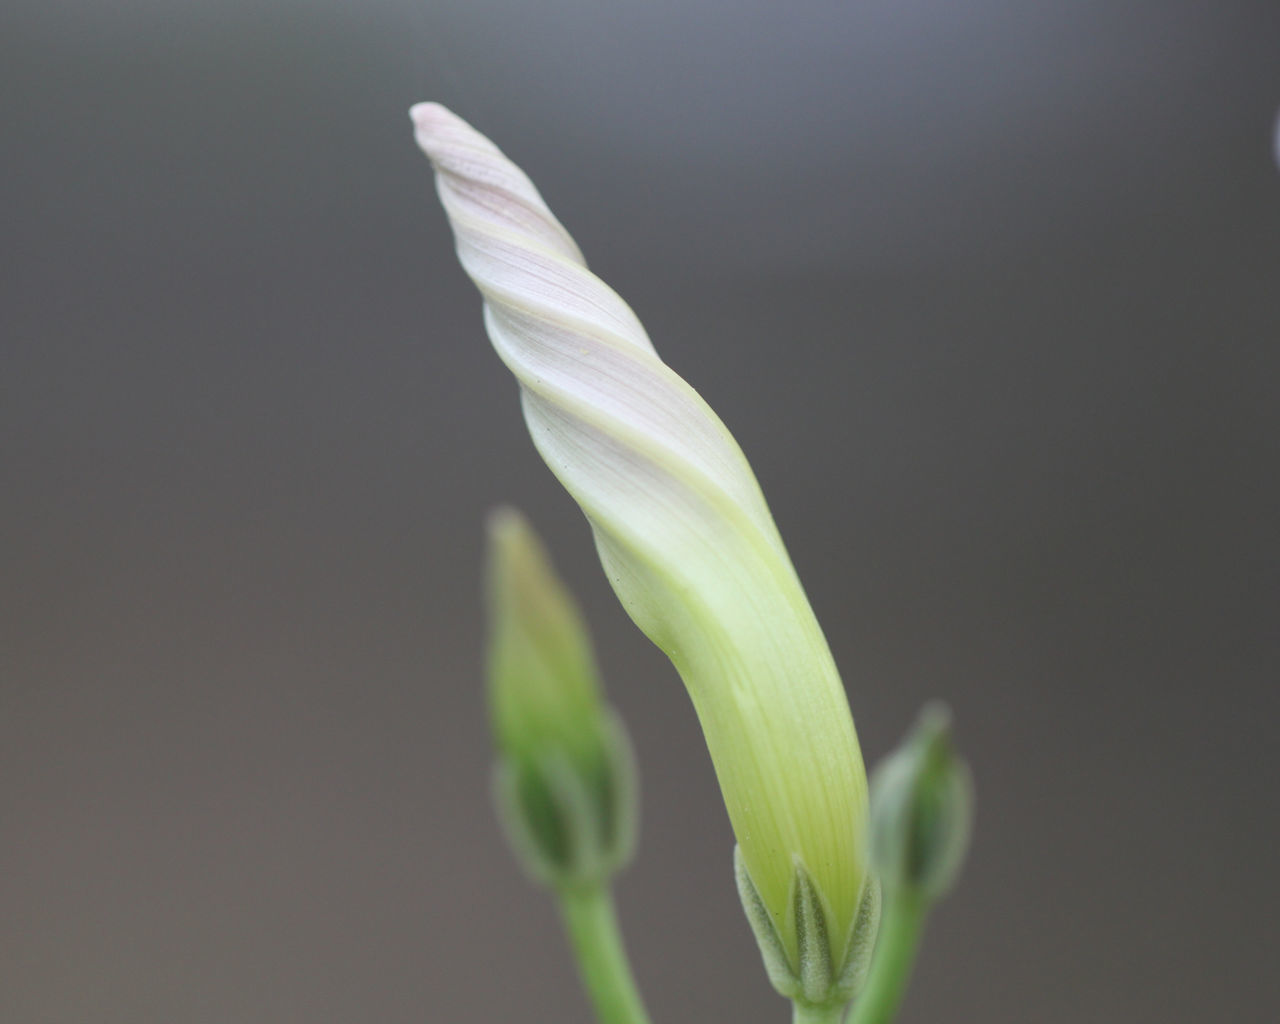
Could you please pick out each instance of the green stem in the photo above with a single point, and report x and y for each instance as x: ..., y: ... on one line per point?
x: 592, y: 924
x: 802, y: 1013
x: 895, y: 954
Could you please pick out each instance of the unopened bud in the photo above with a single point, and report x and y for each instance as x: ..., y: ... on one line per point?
x: 921, y: 811
x: 564, y: 783
x: 682, y: 529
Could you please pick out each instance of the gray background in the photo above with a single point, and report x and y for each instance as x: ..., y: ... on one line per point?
x: 989, y: 294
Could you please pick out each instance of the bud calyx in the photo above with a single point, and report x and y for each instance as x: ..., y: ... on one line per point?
x: 827, y: 969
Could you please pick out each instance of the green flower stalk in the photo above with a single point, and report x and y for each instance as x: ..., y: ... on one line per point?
x: 686, y: 540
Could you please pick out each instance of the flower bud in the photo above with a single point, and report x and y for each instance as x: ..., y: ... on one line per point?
x: 565, y: 780
x: 921, y: 811
x: 682, y: 529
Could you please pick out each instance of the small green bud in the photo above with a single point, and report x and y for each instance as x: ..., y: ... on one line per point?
x: 921, y: 811
x: 564, y: 783
x: 814, y: 976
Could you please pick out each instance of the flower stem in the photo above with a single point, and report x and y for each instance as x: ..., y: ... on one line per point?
x: 592, y: 924
x: 803, y: 1013
x: 895, y: 954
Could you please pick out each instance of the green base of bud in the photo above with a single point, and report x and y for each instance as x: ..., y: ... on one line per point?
x: 567, y: 828
x: 814, y: 977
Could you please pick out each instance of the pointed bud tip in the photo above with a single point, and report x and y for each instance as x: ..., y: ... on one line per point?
x: 505, y: 522
x: 518, y: 557
x: 433, y: 124
x: 933, y: 726
x: 430, y: 114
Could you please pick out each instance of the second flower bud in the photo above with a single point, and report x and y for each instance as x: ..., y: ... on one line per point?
x: 564, y: 783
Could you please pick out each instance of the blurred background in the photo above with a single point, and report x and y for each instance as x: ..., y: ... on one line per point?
x: 988, y: 292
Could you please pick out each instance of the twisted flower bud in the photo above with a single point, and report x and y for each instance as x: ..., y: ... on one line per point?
x: 684, y: 535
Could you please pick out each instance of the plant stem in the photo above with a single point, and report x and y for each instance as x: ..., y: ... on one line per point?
x: 802, y: 1013
x: 592, y: 924
x: 895, y: 954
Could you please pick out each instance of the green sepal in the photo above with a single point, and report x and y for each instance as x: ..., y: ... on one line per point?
x: 862, y: 940
x: 781, y: 974
x: 811, y: 935
x: 565, y: 826
x: 816, y: 979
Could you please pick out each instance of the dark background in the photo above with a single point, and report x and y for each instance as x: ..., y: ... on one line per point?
x: 988, y: 292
